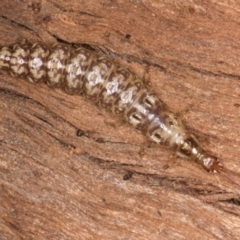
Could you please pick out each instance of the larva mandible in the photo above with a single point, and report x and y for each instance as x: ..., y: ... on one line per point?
x: 79, y: 71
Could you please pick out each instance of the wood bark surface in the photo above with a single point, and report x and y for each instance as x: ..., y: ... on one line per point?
x: 57, y: 185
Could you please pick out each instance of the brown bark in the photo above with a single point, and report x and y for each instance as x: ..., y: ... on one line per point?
x: 191, y: 52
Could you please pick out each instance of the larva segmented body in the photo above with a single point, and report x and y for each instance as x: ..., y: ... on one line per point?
x: 79, y: 71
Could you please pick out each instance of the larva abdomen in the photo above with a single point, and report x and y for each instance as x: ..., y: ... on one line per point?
x: 79, y: 71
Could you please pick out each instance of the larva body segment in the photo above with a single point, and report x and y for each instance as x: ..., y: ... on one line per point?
x: 79, y: 71
x: 36, y: 62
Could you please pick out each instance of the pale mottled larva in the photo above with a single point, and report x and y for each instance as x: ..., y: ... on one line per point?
x: 79, y: 71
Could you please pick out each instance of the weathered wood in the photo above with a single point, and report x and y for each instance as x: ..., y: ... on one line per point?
x: 190, y: 50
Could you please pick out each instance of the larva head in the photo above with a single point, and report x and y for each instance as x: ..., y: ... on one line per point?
x: 211, y: 163
x: 189, y: 148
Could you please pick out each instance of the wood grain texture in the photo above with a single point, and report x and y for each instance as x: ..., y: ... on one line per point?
x: 190, y: 50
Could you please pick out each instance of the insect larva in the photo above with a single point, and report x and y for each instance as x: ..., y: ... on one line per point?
x: 79, y: 71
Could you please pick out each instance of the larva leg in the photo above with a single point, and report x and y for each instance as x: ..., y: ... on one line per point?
x: 146, y: 77
x: 116, y: 124
x: 142, y: 150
